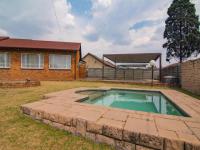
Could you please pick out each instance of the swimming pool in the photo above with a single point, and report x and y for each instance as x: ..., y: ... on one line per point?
x: 147, y: 101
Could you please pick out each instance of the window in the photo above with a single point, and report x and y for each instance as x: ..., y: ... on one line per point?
x: 32, y: 61
x: 59, y: 61
x: 4, y: 60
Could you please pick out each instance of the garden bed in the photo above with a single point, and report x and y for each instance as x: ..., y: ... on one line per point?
x: 19, y: 84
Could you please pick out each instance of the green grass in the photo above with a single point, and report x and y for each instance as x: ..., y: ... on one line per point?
x: 18, y: 132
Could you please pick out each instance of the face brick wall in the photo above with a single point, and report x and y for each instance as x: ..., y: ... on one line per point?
x: 190, y: 76
x: 16, y: 73
x: 91, y: 62
x: 82, y: 71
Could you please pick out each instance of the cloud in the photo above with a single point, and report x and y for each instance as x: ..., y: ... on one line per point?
x: 25, y: 18
x: 90, y: 33
x: 197, y: 5
x: 3, y: 32
x: 101, y: 4
x: 113, y: 23
x: 62, y: 12
x: 144, y: 23
x: 104, y: 3
x: 33, y: 19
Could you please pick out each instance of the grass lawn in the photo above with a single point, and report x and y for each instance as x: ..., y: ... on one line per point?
x: 18, y: 132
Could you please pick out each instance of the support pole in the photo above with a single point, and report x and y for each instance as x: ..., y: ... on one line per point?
x: 160, y: 105
x: 115, y: 69
x: 160, y: 67
x: 103, y: 69
x: 133, y: 75
x: 142, y: 74
x: 75, y: 67
x: 152, y: 70
x: 124, y: 74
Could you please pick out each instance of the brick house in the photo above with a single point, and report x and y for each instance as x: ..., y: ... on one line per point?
x: 22, y: 59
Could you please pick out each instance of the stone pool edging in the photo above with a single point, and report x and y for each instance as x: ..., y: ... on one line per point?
x: 122, y: 129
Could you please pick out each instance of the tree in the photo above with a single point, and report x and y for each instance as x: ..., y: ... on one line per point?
x: 182, y: 31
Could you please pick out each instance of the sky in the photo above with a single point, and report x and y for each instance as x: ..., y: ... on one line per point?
x: 102, y: 26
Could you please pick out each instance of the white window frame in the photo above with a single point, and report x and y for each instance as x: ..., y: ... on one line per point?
x: 8, y: 60
x: 67, y: 55
x: 41, y: 64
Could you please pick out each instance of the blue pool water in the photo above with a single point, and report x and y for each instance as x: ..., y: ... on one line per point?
x: 134, y: 100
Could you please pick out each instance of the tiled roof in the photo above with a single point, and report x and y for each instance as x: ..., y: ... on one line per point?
x: 6, y: 42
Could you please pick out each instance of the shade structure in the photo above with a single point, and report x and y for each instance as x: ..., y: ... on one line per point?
x: 139, y: 58
x: 133, y: 65
x: 133, y: 58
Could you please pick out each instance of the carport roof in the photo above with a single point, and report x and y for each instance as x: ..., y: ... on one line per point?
x: 133, y: 58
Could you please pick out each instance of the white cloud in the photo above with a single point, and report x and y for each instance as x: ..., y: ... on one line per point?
x: 113, y: 23
x: 26, y: 18
x: 3, y: 32
x: 90, y: 33
x: 35, y: 19
x: 104, y: 3
x: 62, y: 12
x: 147, y: 33
x: 197, y: 5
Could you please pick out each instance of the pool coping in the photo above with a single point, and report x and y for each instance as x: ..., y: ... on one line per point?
x: 118, y: 127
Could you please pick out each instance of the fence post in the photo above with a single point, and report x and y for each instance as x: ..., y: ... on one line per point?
x: 142, y: 74
x: 152, y: 70
x: 133, y: 75
x: 124, y: 74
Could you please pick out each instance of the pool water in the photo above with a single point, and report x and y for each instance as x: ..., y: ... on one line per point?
x: 134, y: 100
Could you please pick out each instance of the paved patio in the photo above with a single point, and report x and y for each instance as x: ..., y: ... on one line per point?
x: 123, y: 129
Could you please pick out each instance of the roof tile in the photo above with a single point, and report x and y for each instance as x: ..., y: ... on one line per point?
x: 37, y: 44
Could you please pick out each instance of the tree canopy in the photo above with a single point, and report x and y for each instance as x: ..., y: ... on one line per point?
x: 182, y: 30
